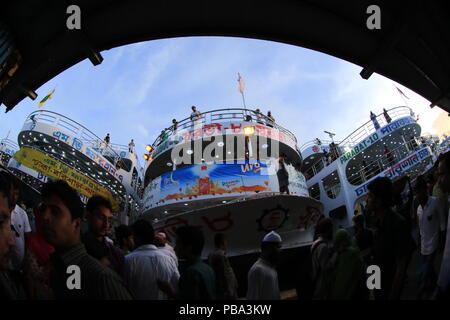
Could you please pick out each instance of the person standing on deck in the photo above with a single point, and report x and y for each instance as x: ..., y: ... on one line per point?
x: 386, y: 116
x: 373, y: 117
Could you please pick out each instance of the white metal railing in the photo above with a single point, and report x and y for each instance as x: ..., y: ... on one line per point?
x: 311, y: 143
x: 383, y: 162
x: 77, y: 130
x: 368, y: 128
x: 221, y: 115
x: 9, y: 143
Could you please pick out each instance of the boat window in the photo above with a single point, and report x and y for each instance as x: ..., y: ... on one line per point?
x: 125, y: 164
x: 314, y: 191
x: 332, y: 185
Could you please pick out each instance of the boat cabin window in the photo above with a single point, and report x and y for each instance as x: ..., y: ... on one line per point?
x: 332, y: 185
x: 125, y: 164
x: 314, y: 191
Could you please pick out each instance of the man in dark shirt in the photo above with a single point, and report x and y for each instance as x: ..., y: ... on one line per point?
x: 363, y: 238
x: 392, y: 240
x: 99, y: 216
x: 76, y: 275
x: 197, y: 279
x: 226, y: 282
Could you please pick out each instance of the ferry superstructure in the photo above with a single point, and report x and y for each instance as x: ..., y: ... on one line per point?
x: 58, y: 147
x: 375, y: 149
x: 233, y: 186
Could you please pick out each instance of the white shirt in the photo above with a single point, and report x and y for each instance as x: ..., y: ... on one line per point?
x: 19, y: 220
x: 263, y: 282
x: 431, y: 221
x: 143, y: 267
x: 170, y: 253
x: 444, y: 275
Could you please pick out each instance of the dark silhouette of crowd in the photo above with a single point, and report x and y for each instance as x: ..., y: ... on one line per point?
x: 403, y: 226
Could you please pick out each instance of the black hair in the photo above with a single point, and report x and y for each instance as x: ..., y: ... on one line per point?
x: 67, y: 194
x: 324, y: 226
x: 265, y: 246
x: 420, y: 183
x: 445, y: 158
x: 191, y: 236
x: 359, y: 219
x: 5, y: 184
x: 382, y: 188
x: 219, y: 239
x: 122, y: 232
x: 97, y: 201
x: 143, y: 231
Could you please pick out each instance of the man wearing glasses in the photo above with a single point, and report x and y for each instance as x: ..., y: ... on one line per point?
x: 99, y: 218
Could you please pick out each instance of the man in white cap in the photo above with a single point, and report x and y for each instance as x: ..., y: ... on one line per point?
x: 263, y: 277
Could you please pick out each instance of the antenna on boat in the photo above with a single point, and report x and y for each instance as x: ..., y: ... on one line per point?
x: 331, y: 134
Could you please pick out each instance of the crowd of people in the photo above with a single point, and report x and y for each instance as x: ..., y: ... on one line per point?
x: 41, y: 261
x: 401, y: 219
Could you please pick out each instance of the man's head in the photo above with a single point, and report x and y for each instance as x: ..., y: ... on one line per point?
x: 143, y: 233
x: 15, y: 192
x: 420, y: 189
x: 380, y: 194
x: 174, y: 120
x: 160, y: 239
x: 189, y: 243
x: 358, y: 221
x: 271, y: 247
x: 7, y: 240
x: 324, y: 228
x: 220, y: 241
x: 194, y: 108
x: 444, y: 172
x: 62, y: 211
x: 124, y: 237
x: 99, y: 215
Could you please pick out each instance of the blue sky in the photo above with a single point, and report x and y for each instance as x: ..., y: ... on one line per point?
x: 139, y: 88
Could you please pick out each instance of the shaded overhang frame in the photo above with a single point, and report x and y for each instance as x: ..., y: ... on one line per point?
x: 412, y: 47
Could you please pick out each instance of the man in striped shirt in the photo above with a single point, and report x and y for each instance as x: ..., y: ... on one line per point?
x: 76, y: 275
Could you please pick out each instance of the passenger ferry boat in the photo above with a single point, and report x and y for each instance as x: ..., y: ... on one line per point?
x: 56, y: 147
x: 391, y: 149
x: 7, y: 150
x: 219, y: 171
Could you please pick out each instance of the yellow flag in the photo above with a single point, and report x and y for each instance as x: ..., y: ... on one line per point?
x: 47, y: 97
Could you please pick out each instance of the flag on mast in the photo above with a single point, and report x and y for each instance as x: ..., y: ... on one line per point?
x: 241, y: 83
x: 401, y: 92
x: 47, y: 97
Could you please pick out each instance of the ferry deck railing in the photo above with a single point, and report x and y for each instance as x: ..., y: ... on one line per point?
x: 79, y: 131
x: 221, y: 115
x: 373, y: 167
x: 311, y: 143
x: 377, y: 166
x: 368, y: 128
x: 9, y: 143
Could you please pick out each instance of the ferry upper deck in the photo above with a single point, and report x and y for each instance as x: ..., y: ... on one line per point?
x: 224, y: 125
x: 87, y: 161
x: 338, y: 174
x: 216, y: 157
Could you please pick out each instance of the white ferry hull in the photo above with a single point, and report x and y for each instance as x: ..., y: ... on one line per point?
x: 245, y: 222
